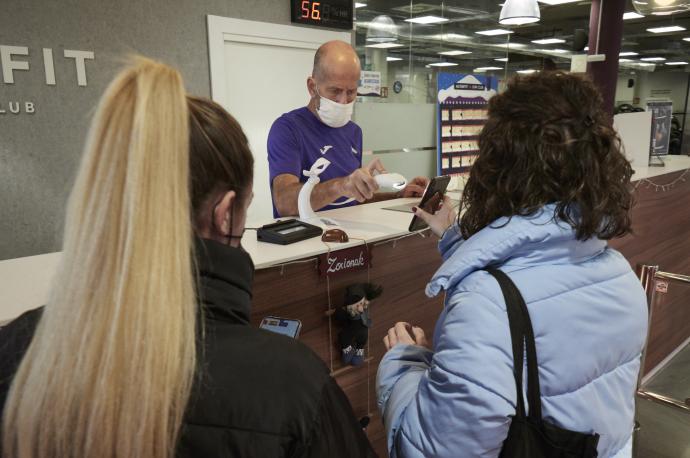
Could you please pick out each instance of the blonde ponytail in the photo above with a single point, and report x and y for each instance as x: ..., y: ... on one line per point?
x: 110, y: 367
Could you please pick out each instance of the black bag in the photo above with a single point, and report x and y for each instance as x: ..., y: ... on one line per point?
x: 529, y: 436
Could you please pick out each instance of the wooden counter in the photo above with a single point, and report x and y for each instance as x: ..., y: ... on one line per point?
x: 661, y: 236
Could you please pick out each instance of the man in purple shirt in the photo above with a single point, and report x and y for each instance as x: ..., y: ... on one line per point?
x: 323, y: 129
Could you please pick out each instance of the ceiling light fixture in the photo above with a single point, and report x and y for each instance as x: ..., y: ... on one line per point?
x: 653, y: 59
x: 494, y: 32
x: 501, y: 59
x: 661, y: 7
x: 557, y: 2
x: 527, y: 71
x: 631, y: 15
x: 360, y: 5
x: 451, y: 36
x: 676, y: 63
x: 427, y: 20
x: 443, y: 64
x: 625, y: 60
x: 510, y: 45
x: 686, y: 39
x: 628, y: 53
x: 486, y: 69
x: 392, y: 59
x: 385, y: 45
x: 382, y: 29
x: 455, y: 52
x: 519, y: 12
x: 667, y: 29
x: 548, y: 41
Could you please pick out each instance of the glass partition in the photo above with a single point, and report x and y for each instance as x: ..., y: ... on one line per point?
x: 408, y: 43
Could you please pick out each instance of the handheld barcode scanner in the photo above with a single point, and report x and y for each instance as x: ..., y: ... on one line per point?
x: 306, y: 213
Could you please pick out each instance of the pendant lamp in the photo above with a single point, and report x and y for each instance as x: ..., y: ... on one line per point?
x: 661, y: 7
x: 518, y: 12
x: 382, y: 29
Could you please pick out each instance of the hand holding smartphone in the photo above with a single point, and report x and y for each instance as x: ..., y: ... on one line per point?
x: 431, y: 201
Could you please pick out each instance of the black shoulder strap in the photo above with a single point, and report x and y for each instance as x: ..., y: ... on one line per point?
x: 522, y: 336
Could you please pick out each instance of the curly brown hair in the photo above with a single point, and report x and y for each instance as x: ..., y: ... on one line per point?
x: 548, y: 140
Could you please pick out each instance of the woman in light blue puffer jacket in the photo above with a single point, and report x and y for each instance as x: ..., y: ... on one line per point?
x: 549, y: 187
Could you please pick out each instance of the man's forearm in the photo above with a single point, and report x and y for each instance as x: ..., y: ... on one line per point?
x: 322, y: 195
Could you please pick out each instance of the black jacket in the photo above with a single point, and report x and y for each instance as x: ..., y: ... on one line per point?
x: 257, y: 394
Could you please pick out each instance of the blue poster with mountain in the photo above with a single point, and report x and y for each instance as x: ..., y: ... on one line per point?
x: 462, y: 110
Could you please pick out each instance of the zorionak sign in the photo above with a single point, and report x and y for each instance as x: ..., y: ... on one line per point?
x: 344, y: 261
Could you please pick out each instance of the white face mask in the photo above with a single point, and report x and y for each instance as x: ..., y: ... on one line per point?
x: 332, y: 113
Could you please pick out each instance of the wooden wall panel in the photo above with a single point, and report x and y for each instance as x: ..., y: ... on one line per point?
x: 661, y: 236
x: 403, y: 268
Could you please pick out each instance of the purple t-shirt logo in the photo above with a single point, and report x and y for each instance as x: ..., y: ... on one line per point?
x: 298, y: 138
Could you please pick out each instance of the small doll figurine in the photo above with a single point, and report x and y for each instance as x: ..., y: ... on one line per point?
x: 356, y: 322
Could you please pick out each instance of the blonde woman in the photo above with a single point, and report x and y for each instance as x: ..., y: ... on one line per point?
x: 123, y: 362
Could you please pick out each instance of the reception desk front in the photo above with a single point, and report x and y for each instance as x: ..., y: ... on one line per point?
x: 288, y: 282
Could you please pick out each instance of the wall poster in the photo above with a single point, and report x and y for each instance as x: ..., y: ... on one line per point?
x: 369, y: 84
x: 462, y: 110
x: 662, y: 114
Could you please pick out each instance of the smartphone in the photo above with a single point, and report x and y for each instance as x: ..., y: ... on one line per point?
x: 431, y: 201
x: 285, y: 326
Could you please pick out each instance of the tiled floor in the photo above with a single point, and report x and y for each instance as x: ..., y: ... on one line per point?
x: 665, y: 430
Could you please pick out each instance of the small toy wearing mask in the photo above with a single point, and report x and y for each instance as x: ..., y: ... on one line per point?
x: 356, y: 322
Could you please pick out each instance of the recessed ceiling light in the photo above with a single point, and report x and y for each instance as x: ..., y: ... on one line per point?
x: 631, y: 15
x: 628, y: 53
x: 527, y: 71
x: 586, y: 48
x: 360, y: 5
x: 557, y: 2
x: 385, y: 45
x: 686, y: 39
x: 494, y: 32
x: 509, y: 45
x: 443, y: 64
x: 392, y: 59
x: 427, y: 20
x: 653, y: 59
x: 455, y: 52
x: 501, y: 59
x: 625, y: 60
x: 556, y: 51
x: 676, y: 63
x: 669, y: 12
x: 646, y: 64
x: 486, y: 69
x: 451, y: 36
x: 548, y: 41
x: 670, y: 28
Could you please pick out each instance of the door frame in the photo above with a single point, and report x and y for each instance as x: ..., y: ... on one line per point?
x: 222, y: 30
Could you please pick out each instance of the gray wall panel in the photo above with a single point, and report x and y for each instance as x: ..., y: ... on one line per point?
x: 39, y: 152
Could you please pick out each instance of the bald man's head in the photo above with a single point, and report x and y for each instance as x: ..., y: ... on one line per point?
x: 335, y: 57
x: 336, y: 73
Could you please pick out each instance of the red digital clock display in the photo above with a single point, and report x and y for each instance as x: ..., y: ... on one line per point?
x: 323, y: 13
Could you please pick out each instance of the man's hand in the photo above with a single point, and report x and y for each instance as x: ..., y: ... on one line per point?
x: 415, y: 188
x: 406, y: 334
x: 360, y: 184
